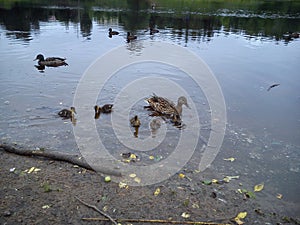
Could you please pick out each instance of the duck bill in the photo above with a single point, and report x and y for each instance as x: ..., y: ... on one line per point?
x: 187, y: 106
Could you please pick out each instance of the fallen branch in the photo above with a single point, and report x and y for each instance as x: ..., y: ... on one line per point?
x: 155, y: 221
x: 97, y: 210
x: 58, y: 156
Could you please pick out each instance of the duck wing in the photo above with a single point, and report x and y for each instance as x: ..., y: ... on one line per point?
x: 55, y: 58
x: 162, y: 105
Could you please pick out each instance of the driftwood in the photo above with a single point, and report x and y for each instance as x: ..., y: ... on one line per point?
x: 139, y: 221
x: 109, y: 218
x: 97, y: 210
x: 54, y: 155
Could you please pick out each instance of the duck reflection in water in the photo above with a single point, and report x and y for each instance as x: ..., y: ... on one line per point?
x: 154, y: 126
x: 136, y: 123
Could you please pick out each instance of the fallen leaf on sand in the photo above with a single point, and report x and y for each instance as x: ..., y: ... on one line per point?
x: 185, y: 215
x: 157, y: 191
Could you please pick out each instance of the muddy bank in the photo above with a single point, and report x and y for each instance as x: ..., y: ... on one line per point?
x: 47, y: 196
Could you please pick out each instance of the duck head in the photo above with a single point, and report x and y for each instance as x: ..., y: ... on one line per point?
x: 73, y: 110
x: 39, y: 57
x: 183, y: 101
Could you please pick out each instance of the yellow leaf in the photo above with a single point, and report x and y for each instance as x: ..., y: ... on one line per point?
x: 258, y: 187
x: 123, y: 185
x: 242, y: 215
x: 157, y: 191
x: 36, y: 170
x: 231, y: 159
x: 185, y: 215
x: 279, y: 196
x: 238, y: 221
x: 214, y: 181
x: 151, y: 157
x: 181, y: 175
x: 31, y: 170
x: 137, y: 179
x: 133, y: 156
x: 132, y: 175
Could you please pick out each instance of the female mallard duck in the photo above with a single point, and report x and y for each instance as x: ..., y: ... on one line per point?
x: 50, y: 61
x: 112, y: 32
x: 135, y: 121
x: 165, y: 107
x: 107, y: 108
x: 130, y: 37
x: 67, y: 113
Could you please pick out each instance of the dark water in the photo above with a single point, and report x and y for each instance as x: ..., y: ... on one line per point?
x: 248, y: 47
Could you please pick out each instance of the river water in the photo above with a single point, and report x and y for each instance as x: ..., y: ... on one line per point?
x: 247, y: 47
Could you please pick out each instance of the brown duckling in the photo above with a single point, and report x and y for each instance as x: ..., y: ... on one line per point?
x: 130, y: 37
x: 135, y: 121
x: 67, y: 113
x: 107, y: 108
x: 50, y: 61
x: 97, y: 112
x: 112, y: 32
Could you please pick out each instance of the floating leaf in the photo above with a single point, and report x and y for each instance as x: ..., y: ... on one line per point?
x: 248, y: 194
x: 151, y: 157
x: 229, y: 178
x: 231, y: 159
x: 207, y: 182
x: 45, y: 206
x: 258, y: 187
x: 181, y: 175
x: 157, y: 191
x: 12, y: 169
x: 185, y: 215
x: 279, y: 196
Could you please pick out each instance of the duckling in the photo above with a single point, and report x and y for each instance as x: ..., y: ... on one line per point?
x: 67, y: 113
x: 97, y: 111
x: 112, y: 32
x: 107, y: 108
x: 130, y: 37
x: 135, y: 121
x: 50, y: 61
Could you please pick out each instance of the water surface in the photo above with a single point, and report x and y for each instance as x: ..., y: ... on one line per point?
x: 248, y: 47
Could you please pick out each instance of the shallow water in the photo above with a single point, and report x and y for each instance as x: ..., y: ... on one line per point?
x: 245, y: 45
